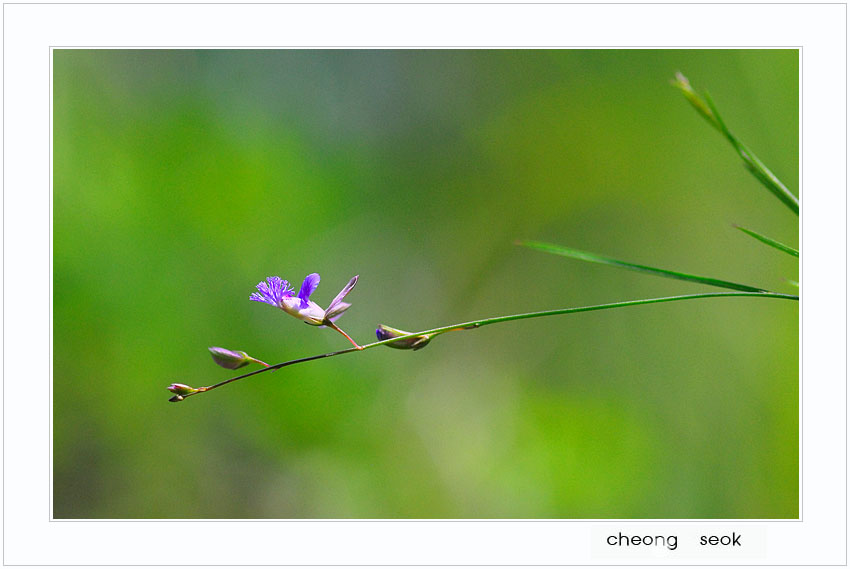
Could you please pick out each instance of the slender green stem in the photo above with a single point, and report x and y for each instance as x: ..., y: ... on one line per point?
x: 479, y: 323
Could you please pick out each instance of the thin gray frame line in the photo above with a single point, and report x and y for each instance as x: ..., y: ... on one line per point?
x: 799, y: 519
x: 3, y: 299
x: 800, y: 307
x: 452, y: 565
x: 50, y: 252
x: 423, y: 3
x: 654, y: 520
x: 400, y: 47
x: 731, y: 520
x: 423, y: 520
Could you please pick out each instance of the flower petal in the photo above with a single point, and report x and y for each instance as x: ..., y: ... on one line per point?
x: 312, y: 314
x: 333, y: 309
x: 272, y: 291
x: 337, y: 311
x: 307, y: 287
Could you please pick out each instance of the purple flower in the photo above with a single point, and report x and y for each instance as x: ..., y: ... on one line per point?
x: 273, y: 291
x: 277, y: 292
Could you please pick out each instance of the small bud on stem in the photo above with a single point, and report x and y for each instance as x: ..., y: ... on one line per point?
x: 384, y: 332
x: 231, y: 359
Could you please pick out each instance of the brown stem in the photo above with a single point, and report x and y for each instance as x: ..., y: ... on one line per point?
x: 330, y: 324
x: 270, y: 368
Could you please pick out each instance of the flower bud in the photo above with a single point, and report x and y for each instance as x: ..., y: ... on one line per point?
x: 232, y: 360
x: 412, y: 343
x: 180, y: 389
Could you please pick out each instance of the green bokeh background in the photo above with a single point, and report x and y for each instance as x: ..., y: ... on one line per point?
x: 182, y: 178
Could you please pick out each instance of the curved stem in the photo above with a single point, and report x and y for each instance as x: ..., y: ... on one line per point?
x: 478, y: 323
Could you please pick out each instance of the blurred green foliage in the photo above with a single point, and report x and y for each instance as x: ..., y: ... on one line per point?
x: 182, y: 178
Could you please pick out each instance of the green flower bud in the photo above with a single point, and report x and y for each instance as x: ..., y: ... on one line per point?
x: 412, y: 343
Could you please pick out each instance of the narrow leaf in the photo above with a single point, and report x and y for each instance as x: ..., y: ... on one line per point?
x: 755, y: 166
x: 705, y: 106
x: 775, y: 186
x: 768, y: 241
x: 594, y: 258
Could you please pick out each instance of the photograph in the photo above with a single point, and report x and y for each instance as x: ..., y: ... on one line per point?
x: 425, y: 284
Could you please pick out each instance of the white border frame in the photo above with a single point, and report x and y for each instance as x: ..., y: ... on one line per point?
x: 30, y: 30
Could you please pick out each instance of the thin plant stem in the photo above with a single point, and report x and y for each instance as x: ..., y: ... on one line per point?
x: 330, y: 324
x: 479, y: 323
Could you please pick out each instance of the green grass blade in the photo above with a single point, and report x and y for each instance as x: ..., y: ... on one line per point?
x: 775, y: 187
x: 594, y: 258
x: 768, y: 241
x: 682, y: 84
x: 705, y: 107
x: 755, y: 166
